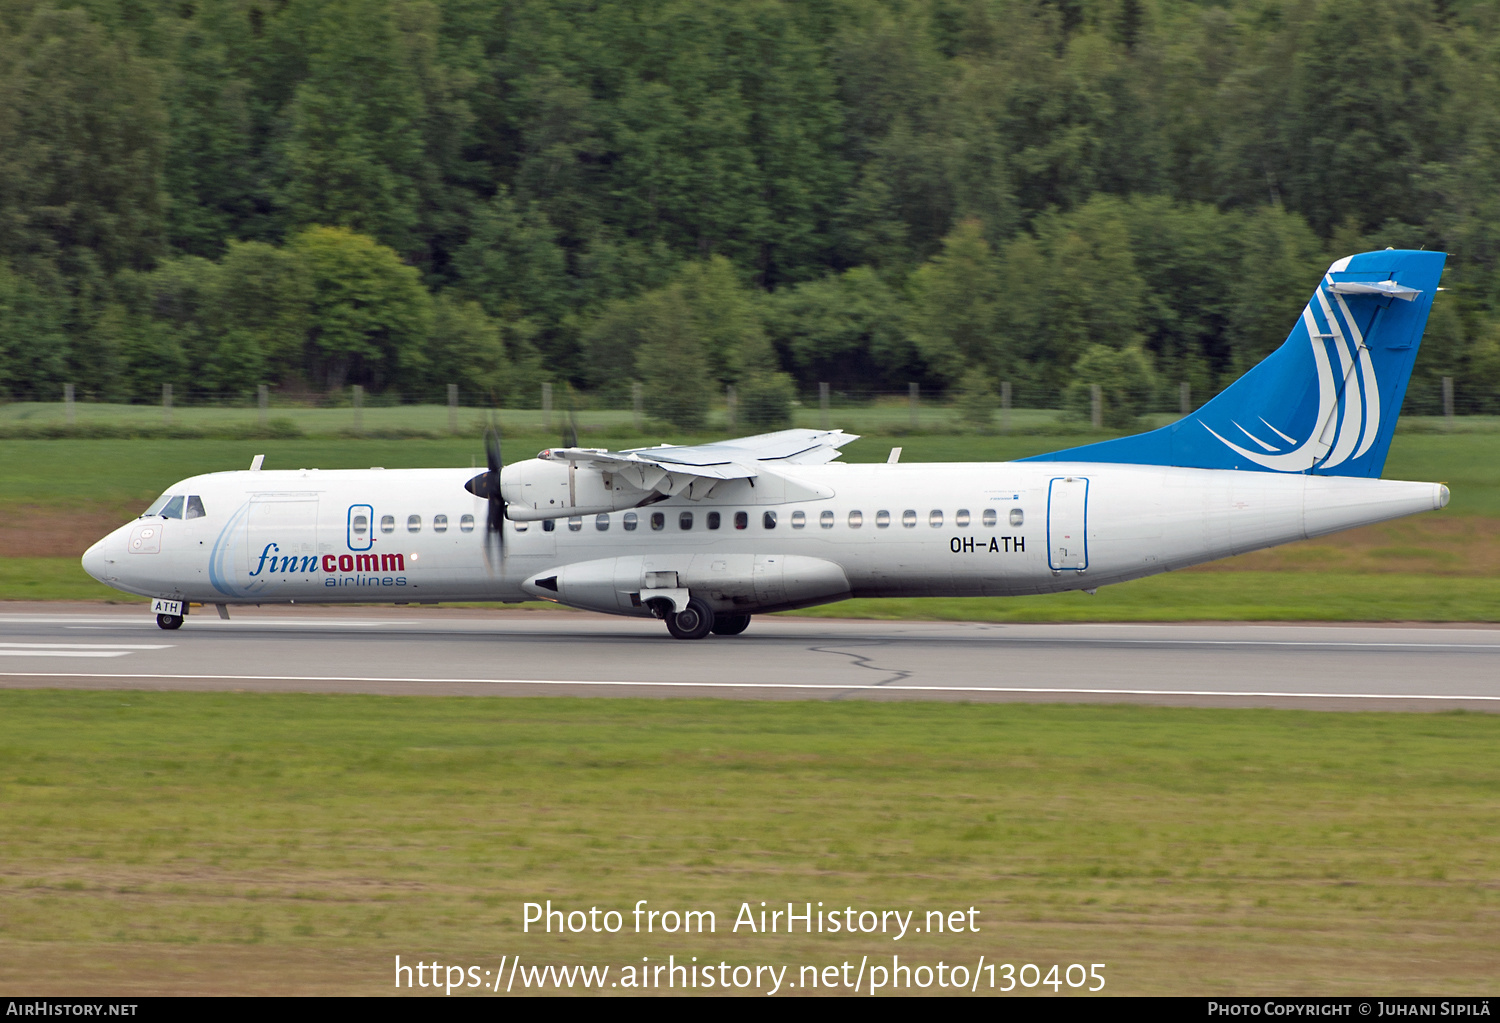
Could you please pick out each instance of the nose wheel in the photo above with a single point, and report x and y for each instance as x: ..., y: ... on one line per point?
x: 693, y: 622
x: 169, y: 621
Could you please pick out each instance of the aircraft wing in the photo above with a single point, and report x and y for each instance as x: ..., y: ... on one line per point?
x: 740, y: 458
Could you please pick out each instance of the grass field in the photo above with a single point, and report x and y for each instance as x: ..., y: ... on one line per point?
x: 240, y: 842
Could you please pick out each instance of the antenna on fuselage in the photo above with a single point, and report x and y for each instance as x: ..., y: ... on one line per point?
x: 257, y: 462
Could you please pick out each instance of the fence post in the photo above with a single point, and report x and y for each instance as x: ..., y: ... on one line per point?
x: 637, y: 396
x: 913, y: 397
x: 1185, y: 394
x: 452, y: 408
x: 1096, y: 406
x: 263, y: 402
x: 68, y: 401
x: 1448, y: 401
x: 547, y: 407
x: 1005, y: 406
x: 166, y: 403
x: 731, y: 404
x: 359, y: 409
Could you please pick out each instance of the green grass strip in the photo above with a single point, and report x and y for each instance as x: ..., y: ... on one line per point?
x: 1217, y: 596
x: 1241, y: 850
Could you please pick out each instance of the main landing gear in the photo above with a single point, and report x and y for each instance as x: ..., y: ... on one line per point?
x: 730, y: 625
x: 698, y: 619
x: 169, y: 621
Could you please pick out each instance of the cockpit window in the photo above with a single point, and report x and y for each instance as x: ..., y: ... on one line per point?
x: 157, y: 505
x: 173, y: 510
x: 194, y: 508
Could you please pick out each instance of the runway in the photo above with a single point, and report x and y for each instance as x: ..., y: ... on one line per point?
x: 436, y: 651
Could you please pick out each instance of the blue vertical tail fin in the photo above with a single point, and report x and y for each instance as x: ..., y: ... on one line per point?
x: 1327, y: 400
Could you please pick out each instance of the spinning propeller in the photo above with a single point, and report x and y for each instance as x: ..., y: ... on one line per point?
x: 494, y: 522
x: 487, y: 486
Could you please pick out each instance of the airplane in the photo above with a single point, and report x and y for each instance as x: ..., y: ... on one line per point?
x: 705, y: 536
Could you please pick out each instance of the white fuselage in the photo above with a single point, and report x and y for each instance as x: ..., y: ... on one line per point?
x: 840, y: 530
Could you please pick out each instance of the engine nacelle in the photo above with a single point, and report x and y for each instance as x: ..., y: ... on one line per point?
x: 729, y: 583
x: 542, y: 489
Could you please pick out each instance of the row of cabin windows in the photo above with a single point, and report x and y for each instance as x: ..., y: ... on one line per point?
x: 413, y: 524
x: 855, y: 519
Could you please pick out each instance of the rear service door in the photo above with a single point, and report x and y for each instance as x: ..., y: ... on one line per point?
x: 1067, y: 524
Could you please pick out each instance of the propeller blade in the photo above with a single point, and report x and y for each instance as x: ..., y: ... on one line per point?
x: 495, y: 520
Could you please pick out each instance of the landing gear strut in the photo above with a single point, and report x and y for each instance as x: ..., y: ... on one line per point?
x: 693, y: 622
x: 169, y: 621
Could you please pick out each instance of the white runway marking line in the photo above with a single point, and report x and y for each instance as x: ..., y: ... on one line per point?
x: 1023, y: 690
x: 77, y: 649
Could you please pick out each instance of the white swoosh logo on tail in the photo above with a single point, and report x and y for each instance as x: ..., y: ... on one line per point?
x: 1340, y: 431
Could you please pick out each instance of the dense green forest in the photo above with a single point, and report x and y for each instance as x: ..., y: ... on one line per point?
x: 403, y: 194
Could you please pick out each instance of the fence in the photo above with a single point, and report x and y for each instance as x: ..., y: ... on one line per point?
x: 1438, y: 403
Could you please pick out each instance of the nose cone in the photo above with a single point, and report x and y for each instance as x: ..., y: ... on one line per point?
x: 94, y: 560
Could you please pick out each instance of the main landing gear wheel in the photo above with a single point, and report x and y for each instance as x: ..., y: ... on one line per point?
x: 169, y: 621
x: 730, y: 625
x: 692, y: 622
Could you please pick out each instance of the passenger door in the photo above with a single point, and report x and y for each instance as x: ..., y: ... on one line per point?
x: 281, y: 542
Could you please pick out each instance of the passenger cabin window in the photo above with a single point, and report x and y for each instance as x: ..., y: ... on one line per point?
x: 856, y: 519
x: 685, y: 520
x: 909, y: 518
x: 658, y: 521
x: 799, y: 519
x: 989, y: 517
x: 440, y: 523
x: 549, y: 525
x: 935, y: 518
x: 173, y: 510
x: 826, y: 520
x: 387, y: 523
x: 961, y: 518
x: 414, y: 523
x: 575, y: 523
x: 768, y: 520
x: 741, y: 520
x: 713, y: 520
x: 630, y: 522
x: 361, y: 525
x: 466, y: 523
x: 194, y: 508
x: 882, y: 519
x: 1017, y: 517
x: 601, y: 523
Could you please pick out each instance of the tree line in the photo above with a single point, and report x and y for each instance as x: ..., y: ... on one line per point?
x: 694, y: 194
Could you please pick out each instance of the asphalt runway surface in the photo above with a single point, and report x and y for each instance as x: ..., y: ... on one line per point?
x: 437, y: 651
